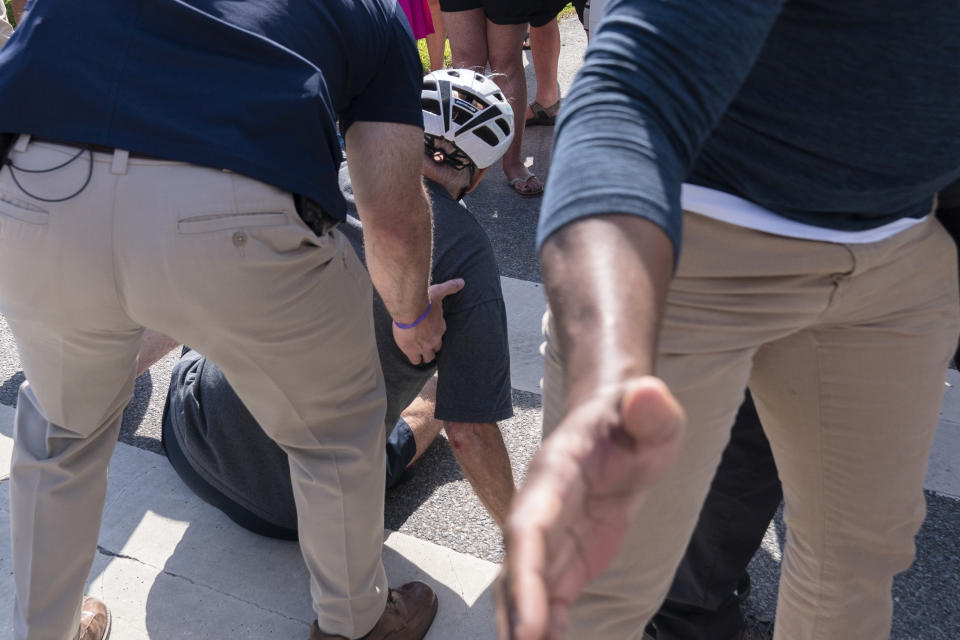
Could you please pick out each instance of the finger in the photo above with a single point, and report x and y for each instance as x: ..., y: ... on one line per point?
x: 650, y: 413
x: 528, y: 605
x: 558, y: 621
x: 413, y: 356
x: 427, y: 355
x: 503, y: 604
x: 443, y: 289
x: 526, y: 591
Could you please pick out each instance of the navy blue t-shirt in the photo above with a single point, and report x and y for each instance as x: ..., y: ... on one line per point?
x: 254, y: 86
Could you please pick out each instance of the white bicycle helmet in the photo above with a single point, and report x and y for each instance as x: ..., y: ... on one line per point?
x: 469, y: 111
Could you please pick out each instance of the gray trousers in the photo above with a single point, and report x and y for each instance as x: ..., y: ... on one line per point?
x: 223, y: 263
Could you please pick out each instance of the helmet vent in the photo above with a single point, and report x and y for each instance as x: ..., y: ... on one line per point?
x: 433, y: 106
x: 503, y: 126
x: 471, y: 98
x: 486, y: 135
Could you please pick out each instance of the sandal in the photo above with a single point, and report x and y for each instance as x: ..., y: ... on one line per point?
x: 526, y: 42
x: 530, y: 192
x: 543, y: 116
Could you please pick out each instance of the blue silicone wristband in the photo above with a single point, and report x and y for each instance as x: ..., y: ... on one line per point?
x: 423, y: 316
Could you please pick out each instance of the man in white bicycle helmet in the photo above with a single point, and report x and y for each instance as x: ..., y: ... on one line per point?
x: 467, y: 121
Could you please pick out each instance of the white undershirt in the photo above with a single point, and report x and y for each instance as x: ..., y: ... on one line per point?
x: 733, y: 210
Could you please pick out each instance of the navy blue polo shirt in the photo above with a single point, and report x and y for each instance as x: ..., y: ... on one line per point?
x: 254, y: 86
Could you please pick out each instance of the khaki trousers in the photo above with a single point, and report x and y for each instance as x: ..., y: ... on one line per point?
x: 845, y: 349
x: 220, y: 262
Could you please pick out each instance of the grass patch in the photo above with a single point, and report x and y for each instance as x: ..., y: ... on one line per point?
x: 567, y: 11
x: 425, y: 55
x: 9, y: 7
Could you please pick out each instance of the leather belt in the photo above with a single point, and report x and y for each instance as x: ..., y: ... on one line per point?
x: 96, y: 148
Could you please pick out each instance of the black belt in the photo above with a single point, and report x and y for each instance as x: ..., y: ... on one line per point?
x: 96, y: 148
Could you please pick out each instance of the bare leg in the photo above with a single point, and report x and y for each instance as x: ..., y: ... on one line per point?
x: 17, y: 6
x: 436, y: 41
x: 506, y: 61
x: 545, y: 48
x: 419, y: 417
x: 478, y: 448
x: 468, y: 38
x: 153, y: 346
x: 483, y: 458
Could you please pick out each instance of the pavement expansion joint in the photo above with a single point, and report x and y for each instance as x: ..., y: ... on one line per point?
x: 461, y: 591
x: 178, y: 576
x: 114, y: 554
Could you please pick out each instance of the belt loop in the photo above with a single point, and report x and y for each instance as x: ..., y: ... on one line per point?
x: 22, y: 141
x: 120, y: 158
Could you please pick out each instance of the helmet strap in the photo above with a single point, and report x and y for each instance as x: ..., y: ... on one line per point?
x: 473, y: 172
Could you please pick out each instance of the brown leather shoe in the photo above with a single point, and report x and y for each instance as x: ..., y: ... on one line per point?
x: 409, y: 613
x: 94, y: 620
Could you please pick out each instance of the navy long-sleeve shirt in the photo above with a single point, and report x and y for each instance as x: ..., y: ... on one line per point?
x: 843, y: 114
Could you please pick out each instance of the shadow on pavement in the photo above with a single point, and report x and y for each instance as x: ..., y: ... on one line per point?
x: 10, y: 387
x: 260, y: 573
x: 136, y: 411
x: 434, y: 469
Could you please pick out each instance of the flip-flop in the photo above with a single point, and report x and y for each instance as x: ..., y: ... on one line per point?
x: 543, y: 116
x: 535, y: 193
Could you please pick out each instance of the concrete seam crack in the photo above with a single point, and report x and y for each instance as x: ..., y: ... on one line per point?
x: 171, y: 574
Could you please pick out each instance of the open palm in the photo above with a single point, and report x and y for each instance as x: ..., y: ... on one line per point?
x: 582, y: 488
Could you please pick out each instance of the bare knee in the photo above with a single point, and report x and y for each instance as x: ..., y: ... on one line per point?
x: 466, y: 437
x: 508, y: 63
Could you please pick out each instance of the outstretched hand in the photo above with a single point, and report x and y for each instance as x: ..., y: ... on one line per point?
x: 421, y: 343
x: 584, y: 485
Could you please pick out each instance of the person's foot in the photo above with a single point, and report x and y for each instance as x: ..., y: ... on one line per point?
x: 538, y: 115
x: 527, y: 186
x: 94, y: 620
x: 409, y: 613
x: 523, y: 181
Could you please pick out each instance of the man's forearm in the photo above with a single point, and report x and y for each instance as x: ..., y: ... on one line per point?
x: 386, y: 162
x: 398, y: 258
x: 606, y: 279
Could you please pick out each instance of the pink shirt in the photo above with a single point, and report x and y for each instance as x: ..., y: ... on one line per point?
x: 418, y: 14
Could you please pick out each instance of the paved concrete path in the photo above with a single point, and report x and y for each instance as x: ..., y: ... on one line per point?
x: 172, y: 567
